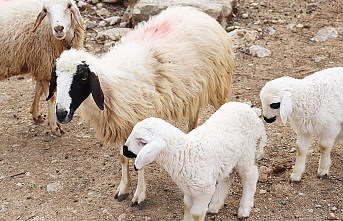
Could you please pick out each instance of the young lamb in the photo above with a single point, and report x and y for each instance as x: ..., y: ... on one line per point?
x: 314, y: 106
x: 29, y: 46
x: 169, y: 67
x: 233, y: 137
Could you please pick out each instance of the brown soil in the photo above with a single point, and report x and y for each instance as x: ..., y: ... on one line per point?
x: 87, y: 173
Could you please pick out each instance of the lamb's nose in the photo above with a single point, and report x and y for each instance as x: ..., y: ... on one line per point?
x: 59, y: 29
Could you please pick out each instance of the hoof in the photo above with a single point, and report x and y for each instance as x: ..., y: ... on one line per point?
x: 121, y: 197
x: 324, y: 176
x: 141, y: 205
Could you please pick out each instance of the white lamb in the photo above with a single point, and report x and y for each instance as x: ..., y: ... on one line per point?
x: 30, y: 44
x: 201, y: 161
x: 314, y: 106
x: 169, y: 67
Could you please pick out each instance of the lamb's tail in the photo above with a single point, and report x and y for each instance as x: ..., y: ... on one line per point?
x: 262, y: 141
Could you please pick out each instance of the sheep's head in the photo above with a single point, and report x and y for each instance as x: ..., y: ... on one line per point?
x: 73, y: 81
x: 60, y: 14
x: 276, y: 100
x: 145, y: 141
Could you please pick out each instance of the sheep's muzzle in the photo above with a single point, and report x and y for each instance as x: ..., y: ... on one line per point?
x: 127, y: 153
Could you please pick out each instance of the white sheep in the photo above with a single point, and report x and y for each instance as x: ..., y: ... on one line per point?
x: 169, y: 67
x: 201, y: 161
x: 27, y: 48
x: 314, y: 106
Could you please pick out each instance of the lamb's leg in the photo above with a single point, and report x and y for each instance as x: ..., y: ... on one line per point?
x: 139, y: 196
x: 122, y: 190
x: 188, y: 202
x: 325, y: 146
x: 302, y: 145
x: 56, y: 128
x: 200, y: 205
x: 34, y: 110
x: 219, y: 196
x: 248, y: 174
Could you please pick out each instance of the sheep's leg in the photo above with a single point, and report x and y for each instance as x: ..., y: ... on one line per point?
x: 302, y: 145
x: 193, y: 122
x: 139, y: 196
x: 36, y: 116
x: 56, y: 128
x: 219, y: 196
x: 122, y: 190
x: 248, y: 174
x: 325, y: 147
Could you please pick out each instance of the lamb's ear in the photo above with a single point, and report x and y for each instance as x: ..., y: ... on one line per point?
x: 149, y: 153
x: 94, y: 84
x: 53, y: 83
x: 286, y: 106
x: 39, y: 19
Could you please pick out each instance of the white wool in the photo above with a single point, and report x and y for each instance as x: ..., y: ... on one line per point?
x: 314, y: 107
x: 233, y: 137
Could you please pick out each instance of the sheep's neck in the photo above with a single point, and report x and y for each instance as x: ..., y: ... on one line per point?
x: 69, y: 44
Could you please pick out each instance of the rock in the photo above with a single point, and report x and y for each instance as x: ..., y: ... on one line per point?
x: 263, y: 173
x: 259, y: 51
x: 324, y: 34
x: 113, y: 34
x: 221, y: 10
x: 245, y: 15
x: 103, y: 12
x: 113, y: 20
x: 243, y: 37
x: 54, y: 187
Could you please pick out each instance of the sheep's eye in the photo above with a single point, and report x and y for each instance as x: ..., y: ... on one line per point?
x: 69, y: 5
x: 275, y: 105
x: 141, y: 143
x: 44, y: 9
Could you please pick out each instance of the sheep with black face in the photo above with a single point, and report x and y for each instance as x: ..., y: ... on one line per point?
x: 314, y: 106
x: 169, y: 67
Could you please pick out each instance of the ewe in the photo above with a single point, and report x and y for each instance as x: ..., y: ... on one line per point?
x: 169, y: 67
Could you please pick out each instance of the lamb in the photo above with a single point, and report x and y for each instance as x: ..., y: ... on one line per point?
x: 314, y: 106
x: 233, y: 137
x: 169, y: 67
x: 29, y: 46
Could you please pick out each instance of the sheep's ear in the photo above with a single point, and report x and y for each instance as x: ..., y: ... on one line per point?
x: 76, y: 13
x: 286, y: 106
x: 39, y: 19
x: 149, y: 153
x: 52, y: 86
x: 97, y: 94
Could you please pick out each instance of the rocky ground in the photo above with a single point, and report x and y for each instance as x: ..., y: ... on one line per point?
x: 74, y: 177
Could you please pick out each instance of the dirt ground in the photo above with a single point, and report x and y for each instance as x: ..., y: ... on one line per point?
x: 82, y: 175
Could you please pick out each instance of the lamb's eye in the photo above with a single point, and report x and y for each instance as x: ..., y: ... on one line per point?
x: 275, y: 105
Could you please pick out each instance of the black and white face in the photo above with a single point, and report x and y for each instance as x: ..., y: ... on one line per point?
x: 73, y: 86
x: 271, y: 102
x: 145, y: 141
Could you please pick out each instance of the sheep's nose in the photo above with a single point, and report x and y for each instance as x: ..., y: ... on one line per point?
x: 61, y: 115
x: 59, y: 29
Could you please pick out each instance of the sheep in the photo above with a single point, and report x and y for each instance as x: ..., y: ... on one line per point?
x: 314, y: 106
x: 171, y: 67
x: 32, y: 46
x: 233, y: 137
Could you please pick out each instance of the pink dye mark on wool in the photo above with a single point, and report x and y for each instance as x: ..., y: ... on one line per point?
x: 152, y: 31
